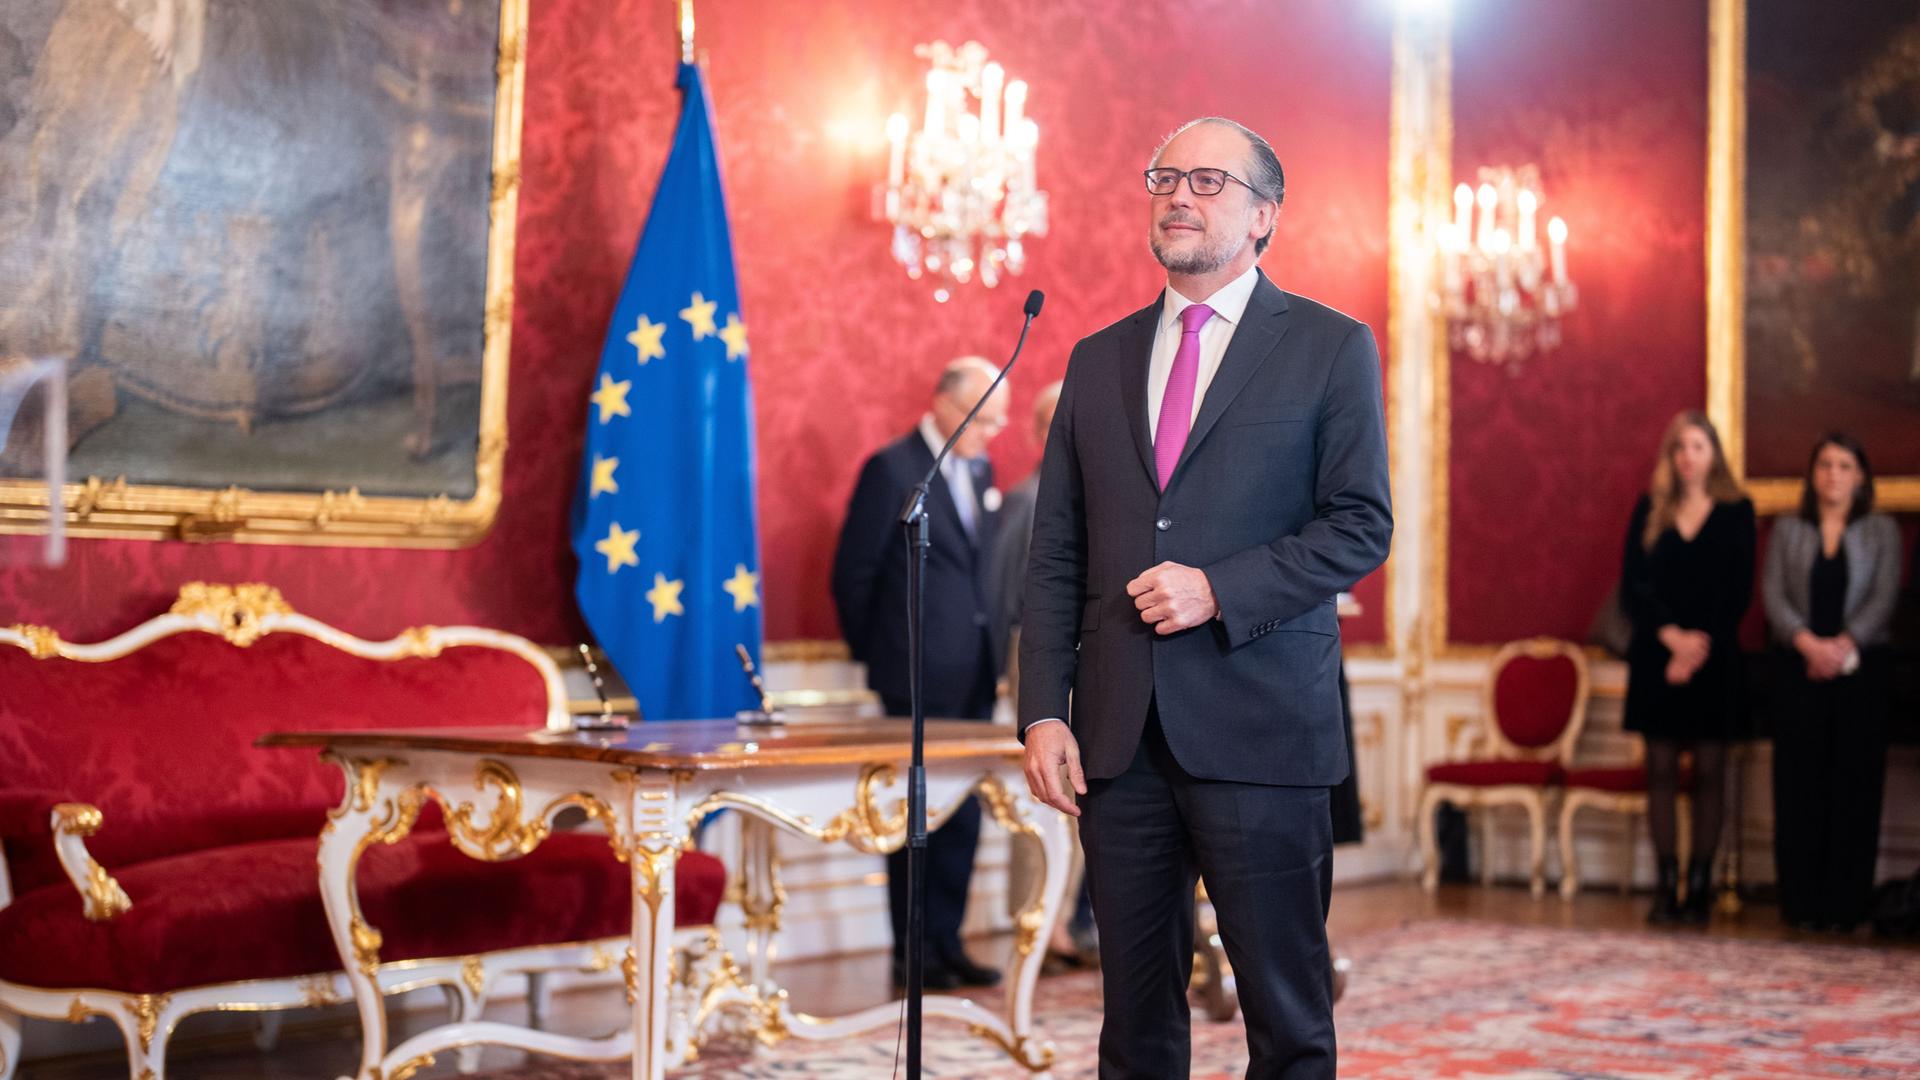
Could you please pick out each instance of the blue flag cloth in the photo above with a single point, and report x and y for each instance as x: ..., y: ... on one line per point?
x: 663, y: 519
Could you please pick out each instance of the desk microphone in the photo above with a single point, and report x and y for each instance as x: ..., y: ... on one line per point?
x: 766, y: 713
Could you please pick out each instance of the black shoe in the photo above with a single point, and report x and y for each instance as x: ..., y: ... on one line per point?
x: 932, y: 977
x: 957, y: 965
x: 1699, y: 906
x: 1666, y: 890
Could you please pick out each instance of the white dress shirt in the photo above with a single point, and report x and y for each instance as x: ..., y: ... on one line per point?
x: 1229, y: 304
x: 958, y: 473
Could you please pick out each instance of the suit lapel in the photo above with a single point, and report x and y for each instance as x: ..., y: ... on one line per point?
x: 1136, y: 357
x: 1261, y: 327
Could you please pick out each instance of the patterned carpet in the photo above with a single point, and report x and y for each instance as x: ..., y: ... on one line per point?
x: 1447, y: 999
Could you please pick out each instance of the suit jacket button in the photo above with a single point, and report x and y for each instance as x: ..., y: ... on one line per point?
x: 979, y: 618
x: 1163, y: 524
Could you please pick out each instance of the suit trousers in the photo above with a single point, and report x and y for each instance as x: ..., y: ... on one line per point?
x: 1266, y: 852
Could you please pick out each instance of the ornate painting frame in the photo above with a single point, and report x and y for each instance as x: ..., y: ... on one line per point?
x: 112, y: 507
x: 1726, y: 263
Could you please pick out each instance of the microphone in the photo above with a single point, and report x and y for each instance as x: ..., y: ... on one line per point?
x: 917, y: 498
x: 766, y: 713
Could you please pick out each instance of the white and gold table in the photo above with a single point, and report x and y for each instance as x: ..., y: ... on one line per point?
x: 835, y: 780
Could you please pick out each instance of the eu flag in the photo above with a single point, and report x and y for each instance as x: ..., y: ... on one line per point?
x: 663, y: 519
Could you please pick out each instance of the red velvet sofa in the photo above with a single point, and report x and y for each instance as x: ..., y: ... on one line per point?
x: 154, y: 864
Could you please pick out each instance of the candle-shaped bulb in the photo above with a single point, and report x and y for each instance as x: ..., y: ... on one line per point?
x: 1016, y: 104
x: 936, y: 102
x: 1489, y: 198
x: 1528, y: 205
x: 991, y: 78
x: 896, y: 149
x: 1557, y: 236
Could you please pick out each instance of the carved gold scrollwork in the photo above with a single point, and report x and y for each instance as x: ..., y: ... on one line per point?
x: 317, y: 990
x: 1017, y: 1049
x: 78, y: 819
x: 509, y: 834
x: 366, y: 945
x: 654, y: 864
x: 473, y: 972
x: 146, y: 1014
x: 105, y: 898
x: 42, y: 642
x: 419, y: 641
x: 1002, y: 804
x: 407, y: 1069
x: 79, y: 1011
x: 238, y: 609
x: 630, y: 972
x: 863, y: 825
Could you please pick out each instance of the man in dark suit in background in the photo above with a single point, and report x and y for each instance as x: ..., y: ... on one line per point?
x: 1216, y: 473
x: 870, y: 592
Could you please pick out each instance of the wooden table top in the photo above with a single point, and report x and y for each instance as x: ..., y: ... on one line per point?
x: 825, y: 737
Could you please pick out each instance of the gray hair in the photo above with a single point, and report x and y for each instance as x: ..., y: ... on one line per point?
x: 1264, y: 174
x: 955, y: 374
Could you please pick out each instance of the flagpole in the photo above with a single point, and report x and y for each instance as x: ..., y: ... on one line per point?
x: 686, y: 30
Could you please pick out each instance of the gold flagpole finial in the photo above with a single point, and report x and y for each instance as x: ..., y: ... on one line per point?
x: 686, y: 31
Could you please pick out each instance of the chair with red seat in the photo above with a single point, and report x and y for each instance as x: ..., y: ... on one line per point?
x: 1615, y: 789
x: 1536, y: 703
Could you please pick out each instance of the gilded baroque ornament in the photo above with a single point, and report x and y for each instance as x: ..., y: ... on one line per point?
x: 238, y: 610
x: 407, y: 1069
x: 474, y: 973
x: 42, y: 642
x: 146, y: 1013
x: 77, y: 819
x: 105, y: 898
x: 863, y: 825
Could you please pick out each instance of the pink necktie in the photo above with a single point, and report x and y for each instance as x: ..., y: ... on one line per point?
x: 1176, y: 405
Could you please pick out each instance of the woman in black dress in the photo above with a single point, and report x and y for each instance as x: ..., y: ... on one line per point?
x: 1831, y: 583
x: 1687, y: 578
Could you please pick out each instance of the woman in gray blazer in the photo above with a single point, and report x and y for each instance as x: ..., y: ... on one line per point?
x: 1832, y: 579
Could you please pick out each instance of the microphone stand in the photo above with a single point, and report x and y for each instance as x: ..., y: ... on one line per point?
x: 913, y: 519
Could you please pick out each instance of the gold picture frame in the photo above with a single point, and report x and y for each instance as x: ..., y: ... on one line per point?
x: 1726, y: 268
x: 111, y: 506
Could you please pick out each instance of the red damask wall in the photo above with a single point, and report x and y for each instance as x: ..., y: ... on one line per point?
x: 844, y: 347
x: 1610, y: 98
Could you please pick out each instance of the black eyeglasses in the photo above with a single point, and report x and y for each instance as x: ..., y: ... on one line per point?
x: 1199, y: 181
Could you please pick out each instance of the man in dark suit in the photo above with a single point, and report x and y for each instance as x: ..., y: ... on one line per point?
x: 1216, y: 473
x: 870, y: 591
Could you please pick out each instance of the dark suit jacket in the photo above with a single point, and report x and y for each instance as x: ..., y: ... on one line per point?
x: 870, y: 585
x: 1280, y: 497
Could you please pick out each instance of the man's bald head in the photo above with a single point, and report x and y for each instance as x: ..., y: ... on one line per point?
x: 961, y: 383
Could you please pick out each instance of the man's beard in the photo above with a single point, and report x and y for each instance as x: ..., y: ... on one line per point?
x: 1212, y: 253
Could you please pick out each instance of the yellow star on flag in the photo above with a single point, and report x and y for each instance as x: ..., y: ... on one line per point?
x: 645, y: 340
x: 603, y: 476
x: 699, y: 315
x: 744, y: 586
x: 618, y: 548
x: 612, y: 398
x: 735, y: 335
x: 665, y: 597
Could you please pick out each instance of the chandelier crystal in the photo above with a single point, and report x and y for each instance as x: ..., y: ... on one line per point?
x: 960, y: 193
x: 1502, y: 291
